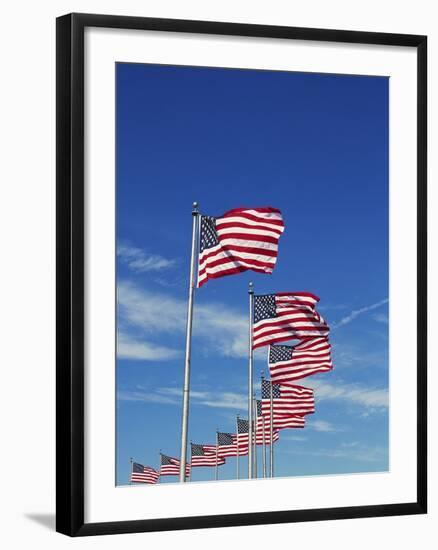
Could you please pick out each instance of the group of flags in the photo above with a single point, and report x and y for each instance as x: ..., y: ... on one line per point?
x: 242, y: 239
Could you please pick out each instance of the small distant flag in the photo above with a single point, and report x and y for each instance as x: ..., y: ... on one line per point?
x: 143, y: 474
x: 286, y: 316
x: 169, y: 466
x: 287, y: 400
x: 288, y: 363
x: 226, y: 445
x: 241, y: 239
x: 242, y: 436
x: 279, y: 421
x: 202, y: 456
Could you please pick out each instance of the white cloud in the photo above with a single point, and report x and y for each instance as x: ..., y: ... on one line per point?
x: 374, y: 398
x: 381, y: 318
x: 226, y: 400
x: 129, y: 348
x: 288, y: 437
x: 146, y: 397
x: 360, y: 454
x: 173, y: 396
x: 321, y: 426
x: 141, y: 262
x: 356, y: 312
x: 224, y: 329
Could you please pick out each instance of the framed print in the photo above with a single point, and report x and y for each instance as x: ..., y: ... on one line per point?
x: 241, y: 274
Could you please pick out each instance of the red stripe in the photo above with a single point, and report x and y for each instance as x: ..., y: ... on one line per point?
x: 232, y: 258
x: 226, y: 225
x: 248, y: 237
x: 229, y: 272
x: 305, y: 294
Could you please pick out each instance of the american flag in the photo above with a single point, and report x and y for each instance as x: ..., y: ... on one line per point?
x: 288, y: 363
x: 279, y: 421
x: 286, y: 316
x: 202, y: 456
x: 226, y: 445
x: 287, y: 400
x: 241, y: 239
x: 169, y: 466
x: 143, y: 474
x: 242, y: 435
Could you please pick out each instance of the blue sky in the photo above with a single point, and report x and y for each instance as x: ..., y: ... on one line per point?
x: 313, y: 145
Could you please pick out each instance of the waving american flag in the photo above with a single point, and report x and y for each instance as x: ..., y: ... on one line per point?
x: 169, y: 466
x: 205, y: 455
x: 288, y: 363
x: 241, y: 239
x: 286, y: 316
x: 287, y: 400
x: 143, y: 474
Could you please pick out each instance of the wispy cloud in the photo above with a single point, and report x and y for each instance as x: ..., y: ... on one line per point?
x: 373, y: 398
x: 173, y: 396
x: 223, y: 329
x: 322, y: 426
x: 288, y: 437
x: 146, y: 397
x: 141, y: 262
x: 130, y: 348
x: 221, y: 400
x: 357, y: 453
x: 381, y: 318
x: 356, y: 312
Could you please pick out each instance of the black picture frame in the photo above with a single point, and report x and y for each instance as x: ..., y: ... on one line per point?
x: 70, y: 273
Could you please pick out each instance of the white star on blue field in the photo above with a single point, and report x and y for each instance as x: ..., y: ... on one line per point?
x: 314, y: 146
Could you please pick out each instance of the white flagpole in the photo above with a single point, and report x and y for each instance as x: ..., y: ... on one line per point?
x: 264, y: 441
x: 271, y: 427
x: 186, y: 390
x: 254, y: 408
x: 132, y: 467
x: 159, y: 469
x: 237, y: 450
x: 216, y: 474
x: 250, y: 379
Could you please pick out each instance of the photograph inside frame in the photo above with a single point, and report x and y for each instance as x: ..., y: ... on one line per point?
x: 252, y: 274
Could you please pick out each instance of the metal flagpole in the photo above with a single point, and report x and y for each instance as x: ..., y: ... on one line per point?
x: 132, y: 466
x: 271, y: 429
x: 237, y: 450
x: 250, y: 379
x: 264, y: 441
x: 186, y: 390
x: 159, y: 469
x: 216, y: 473
x: 254, y: 408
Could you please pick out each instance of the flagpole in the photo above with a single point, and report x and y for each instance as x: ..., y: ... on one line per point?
x: 254, y: 408
x: 271, y: 427
x: 132, y: 466
x: 250, y: 378
x: 237, y: 451
x: 159, y: 470
x: 263, y: 435
x: 216, y: 474
x: 186, y: 389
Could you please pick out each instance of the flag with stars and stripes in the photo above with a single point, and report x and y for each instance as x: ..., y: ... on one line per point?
x: 242, y: 435
x: 202, y: 456
x: 279, y: 421
x: 288, y: 363
x: 287, y: 400
x: 241, y: 239
x: 286, y: 316
x: 226, y: 445
x: 169, y: 466
x: 143, y: 474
